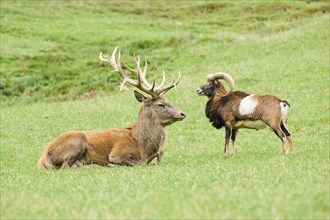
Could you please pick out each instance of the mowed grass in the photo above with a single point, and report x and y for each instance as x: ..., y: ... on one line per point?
x: 282, y: 53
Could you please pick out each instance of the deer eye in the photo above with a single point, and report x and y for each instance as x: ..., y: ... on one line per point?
x: 161, y: 105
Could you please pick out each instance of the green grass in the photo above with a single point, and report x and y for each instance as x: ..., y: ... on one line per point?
x: 49, y: 52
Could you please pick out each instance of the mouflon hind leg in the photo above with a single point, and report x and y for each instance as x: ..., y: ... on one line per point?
x: 282, y: 136
x: 288, y: 135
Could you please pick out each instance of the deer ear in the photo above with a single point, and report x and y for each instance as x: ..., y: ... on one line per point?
x: 139, y: 96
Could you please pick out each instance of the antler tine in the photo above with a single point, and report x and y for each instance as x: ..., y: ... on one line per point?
x: 117, y: 68
x: 141, y: 74
x: 118, y: 62
x: 113, y: 59
x: 102, y: 58
x: 129, y: 68
x: 153, y: 84
x: 164, y: 89
x: 122, y: 85
x: 141, y: 82
x: 135, y: 71
x: 163, y: 81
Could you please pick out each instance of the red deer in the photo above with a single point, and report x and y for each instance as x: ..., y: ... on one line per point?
x: 236, y: 109
x: 138, y: 144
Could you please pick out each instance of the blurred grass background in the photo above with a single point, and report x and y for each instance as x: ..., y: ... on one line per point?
x: 49, y: 49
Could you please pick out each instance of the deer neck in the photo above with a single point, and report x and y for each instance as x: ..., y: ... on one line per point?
x: 149, y: 133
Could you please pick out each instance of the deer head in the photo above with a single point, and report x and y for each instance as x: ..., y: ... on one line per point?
x: 154, y: 106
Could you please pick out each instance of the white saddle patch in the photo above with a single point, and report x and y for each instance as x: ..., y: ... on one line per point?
x: 247, y: 105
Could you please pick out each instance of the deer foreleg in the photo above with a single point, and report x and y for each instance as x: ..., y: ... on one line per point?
x: 77, y: 164
x: 128, y: 160
x: 160, y: 157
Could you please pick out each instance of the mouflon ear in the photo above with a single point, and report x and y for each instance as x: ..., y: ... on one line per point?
x: 139, y: 96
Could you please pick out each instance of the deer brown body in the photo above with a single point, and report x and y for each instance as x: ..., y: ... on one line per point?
x: 135, y: 145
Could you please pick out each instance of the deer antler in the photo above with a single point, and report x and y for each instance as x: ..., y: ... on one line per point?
x: 141, y: 82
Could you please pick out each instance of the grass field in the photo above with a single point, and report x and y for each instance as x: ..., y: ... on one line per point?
x: 52, y: 81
